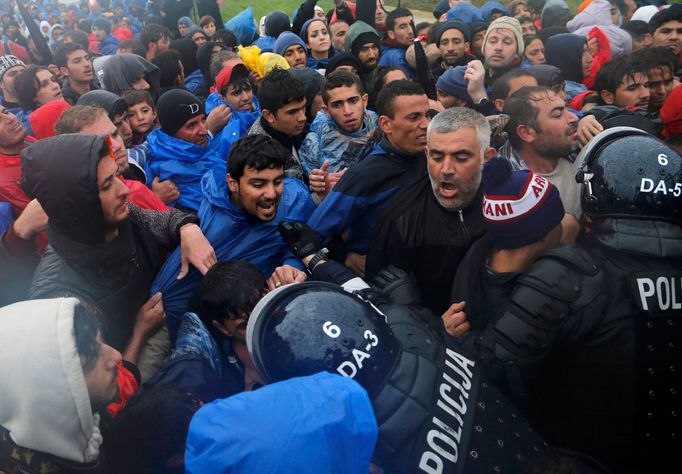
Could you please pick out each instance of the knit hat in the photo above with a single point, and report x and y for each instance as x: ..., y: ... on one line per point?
x: 285, y: 41
x: 276, y: 23
x: 304, y: 28
x: 194, y: 29
x: 490, y: 8
x: 175, y: 108
x: 671, y: 113
x: 103, y: 24
x: 465, y: 12
x: 520, y: 207
x: 363, y: 39
x: 441, y: 7
x: 477, y: 26
x: 7, y: 62
x: 185, y: 21
x: 342, y: 59
x: 506, y: 23
x: 453, y: 83
x: 452, y: 25
x: 228, y: 74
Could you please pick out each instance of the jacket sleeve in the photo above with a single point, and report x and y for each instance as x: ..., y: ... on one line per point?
x: 163, y: 225
x: 309, y: 153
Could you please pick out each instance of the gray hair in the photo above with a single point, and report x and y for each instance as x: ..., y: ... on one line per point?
x: 458, y: 118
x: 217, y: 62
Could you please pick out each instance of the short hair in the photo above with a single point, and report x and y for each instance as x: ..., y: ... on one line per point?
x: 61, y: 55
x: 525, y: 19
x: 134, y: 97
x: 84, y: 25
x: 75, y: 118
x: 217, y: 62
x: 457, y: 118
x: 611, y: 74
x: 673, y: 13
x: 226, y: 37
x: 86, y: 325
x: 150, y: 429
x: 385, y: 104
x: 170, y: 66
x: 394, y: 15
x: 501, y: 84
x: 135, y: 46
x: 279, y: 88
x: 77, y: 36
x: 228, y: 290
x: 656, y: 58
x: 339, y: 78
x: 522, y: 110
x: 382, y: 72
x: 256, y: 151
x: 207, y: 19
x: 153, y: 33
x: 26, y: 86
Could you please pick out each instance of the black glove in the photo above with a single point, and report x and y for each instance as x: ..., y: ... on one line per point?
x: 396, y: 286
x: 302, y: 240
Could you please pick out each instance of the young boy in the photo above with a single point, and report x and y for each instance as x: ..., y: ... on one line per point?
x: 141, y: 114
x: 208, y: 24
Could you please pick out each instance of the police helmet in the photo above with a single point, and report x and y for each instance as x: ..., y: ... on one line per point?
x: 626, y: 172
x: 305, y: 328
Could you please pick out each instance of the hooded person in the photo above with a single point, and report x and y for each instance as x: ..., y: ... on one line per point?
x: 276, y: 23
x: 45, y: 29
x: 184, y: 24
x: 130, y: 71
x: 598, y: 13
x: 565, y: 51
x: 108, y: 43
x: 204, y: 56
x: 312, y: 81
x: 194, y: 79
x: 359, y: 36
x: 490, y: 11
x: 343, y: 59
x: 49, y: 420
x: 555, y: 13
x: 43, y: 118
x: 466, y: 13
x: 56, y: 36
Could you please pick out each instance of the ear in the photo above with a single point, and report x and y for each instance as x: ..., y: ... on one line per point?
x: 233, y: 184
x: 385, y: 124
x: 607, y: 96
x: 365, y: 97
x: 526, y: 133
x: 64, y: 71
x: 499, y: 104
x: 221, y: 327
x: 391, y: 35
x: 268, y: 116
x: 489, y: 153
x: 466, y: 46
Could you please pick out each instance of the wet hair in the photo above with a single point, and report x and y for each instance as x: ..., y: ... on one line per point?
x: 673, y: 13
x: 611, y: 74
x: 134, y: 97
x: 522, y: 110
x: 225, y: 37
x: 86, y: 325
x: 169, y: 64
x: 501, y: 85
x: 338, y: 79
x: 61, y: 55
x: 133, y: 45
x: 78, y: 37
x: 241, y: 84
x: 382, y: 72
x: 399, y: 12
x: 256, y: 151
x: 26, y: 86
x: 152, y: 33
x: 385, y: 104
x: 657, y: 58
x: 279, y: 88
x: 75, y: 118
x: 229, y: 289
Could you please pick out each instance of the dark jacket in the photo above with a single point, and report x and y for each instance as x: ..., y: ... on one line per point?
x: 113, y: 277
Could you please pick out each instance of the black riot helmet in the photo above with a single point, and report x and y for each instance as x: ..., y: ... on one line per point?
x: 305, y: 328
x: 628, y: 173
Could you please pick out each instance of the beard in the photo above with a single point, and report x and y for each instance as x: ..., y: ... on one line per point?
x: 466, y: 191
x: 553, y: 148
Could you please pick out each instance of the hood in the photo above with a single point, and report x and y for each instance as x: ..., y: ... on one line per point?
x: 355, y: 30
x: 121, y: 70
x: 43, y: 118
x: 44, y: 402
x: 555, y: 13
x: 106, y: 100
x: 647, y: 237
x: 61, y: 172
x: 204, y: 53
x: 326, y: 419
x: 565, y: 51
x: 619, y: 40
x: 491, y: 7
x: 598, y: 12
x: 188, y: 54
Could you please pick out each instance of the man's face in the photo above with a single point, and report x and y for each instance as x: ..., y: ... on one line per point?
x: 240, y: 96
x: 99, y: 33
x: 500, y: 49
x: 123, y: 127
x: 557, y: 133
x: 296, y: 56
x: 477, y: 44
x: 535, y: 52
x: 452, y: 46
x: 258, y: 192
x: 368, y: 55
x: 402, y: 31
x: 339, y: 30
x: 346, y: 106
x: 194, y: 131
x: 12, y: 132
x: 100, y: 375
x: 159, y: 46
x: 140, y: 84
x: 7, y: 84
x: 407, y: 129
x: 633, y: 91
x: 113, y: 194
x: 182, y: 29
x: 199, y: 38
x: 49, y: 88
x: 141, y: 117
x: 669, y: 34
x: 380, y: 14
x: 448, y: 100
x: 102, y: 125
x: 455, y: 161
x: 641, y: 41
x: 289, y: 119
x: 78, y: 67
x: 528, y: 28
x: 660, y: 86
x: 521, y: 11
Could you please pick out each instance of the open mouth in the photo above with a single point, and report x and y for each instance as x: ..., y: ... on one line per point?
x: 267, y: 208
x: 447, y: 190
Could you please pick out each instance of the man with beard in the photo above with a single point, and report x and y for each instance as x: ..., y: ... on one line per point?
x: 74, y: 64
x: 666, y: 29
x: 502, y: 47
x: 623, y: 82
x: 452, y: 38
x: 429, y: 227
x: 661, y: 64
x: 362, y: 41
x: 239, y: 214
x: 400, y: 35
x: 542, y: 134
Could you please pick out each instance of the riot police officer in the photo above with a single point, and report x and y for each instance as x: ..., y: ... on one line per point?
x: 593, y: 334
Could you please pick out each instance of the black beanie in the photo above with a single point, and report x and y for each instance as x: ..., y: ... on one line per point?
x: 363, y: 39
x: 175, y: 108
x: 342, y: 59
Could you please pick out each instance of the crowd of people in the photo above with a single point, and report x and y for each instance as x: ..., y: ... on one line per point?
x: 340, y: 241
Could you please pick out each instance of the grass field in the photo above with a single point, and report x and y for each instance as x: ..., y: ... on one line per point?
x: 262, y: 7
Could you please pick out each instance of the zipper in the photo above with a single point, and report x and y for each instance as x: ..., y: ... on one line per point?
x: 464, y: 228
